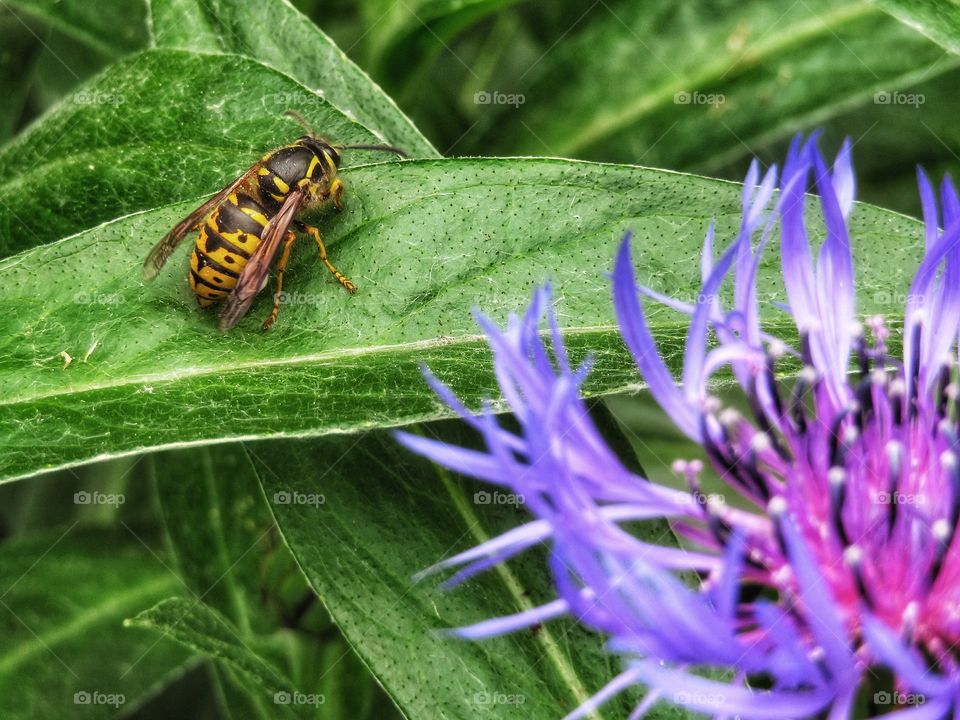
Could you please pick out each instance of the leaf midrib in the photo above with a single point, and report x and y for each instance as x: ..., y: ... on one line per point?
x: 308, y: 359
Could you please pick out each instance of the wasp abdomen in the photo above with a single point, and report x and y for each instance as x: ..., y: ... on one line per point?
x: 225, y: 243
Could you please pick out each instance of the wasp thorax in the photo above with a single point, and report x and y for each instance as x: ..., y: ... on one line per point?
x: 286, y: 169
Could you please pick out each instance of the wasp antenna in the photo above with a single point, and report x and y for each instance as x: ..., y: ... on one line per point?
x: 300, y: 119
x: 376, y: 148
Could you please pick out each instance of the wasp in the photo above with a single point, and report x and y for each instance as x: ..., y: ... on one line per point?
x: 242, y: 227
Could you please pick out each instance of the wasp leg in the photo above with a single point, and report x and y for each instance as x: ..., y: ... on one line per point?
x: 315, y: 234
x: 281, y: 266
x: 335, y: 190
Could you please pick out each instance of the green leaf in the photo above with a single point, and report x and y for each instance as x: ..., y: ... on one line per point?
x: 112, y: 31
x: 696, y: 85
x: 64, y: 651
x: 255, y: 598
x: 276, y: 34
x: 362, y: 516
x: 19, y: 49
x: 917, y: 127
x: 402, y: 36
x: 47, y: 48
x: 222, y: 535
x: 133, y: 140
x: 202, y: 629
x: 424, y: 241
x: 939, y: 20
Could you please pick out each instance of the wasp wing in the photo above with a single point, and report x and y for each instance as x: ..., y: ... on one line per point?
x: 161, y: 252
x: 254, y: 275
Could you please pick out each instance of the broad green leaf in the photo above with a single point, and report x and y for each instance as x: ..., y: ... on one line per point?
x: 937, y: 19
x: 424, y: 241
x: 362, y: 516
x: 403, y: 35
x: 340, y: 687
x: 19, y: 48
x: 696, y: 85
x: 110, y: 30
x: 220, y: 531
x: 202, y: 629
x: 255, y: 598
x: 49, y: 49
x: 276, y: 34
x: 134, y: 140
x: 917, y: 128
x: 64, y: 651
x: 64, y: 63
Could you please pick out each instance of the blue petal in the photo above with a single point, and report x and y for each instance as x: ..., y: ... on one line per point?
x: 636, y: 334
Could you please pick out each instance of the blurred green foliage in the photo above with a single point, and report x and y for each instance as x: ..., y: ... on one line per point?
x: 178, y: 580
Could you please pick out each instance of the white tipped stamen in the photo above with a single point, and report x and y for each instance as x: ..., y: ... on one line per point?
x: 879, y: 328
x: 760, y: 442
x: 711, y: 404
x: 948, y: 460
x: 836, y: 476
x: 910, y: 613
x: 777, y: 506
x: 729, y: 418
x: 850, y: 434
x: 782, y: 576
x: 853, y: 556
x: 940, y: 530
x: 894, y: 452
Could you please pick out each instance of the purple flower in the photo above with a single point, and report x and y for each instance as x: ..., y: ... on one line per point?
x: 837, y: 590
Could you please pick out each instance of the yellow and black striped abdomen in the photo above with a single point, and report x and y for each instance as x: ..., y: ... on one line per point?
x: 224, y: 244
